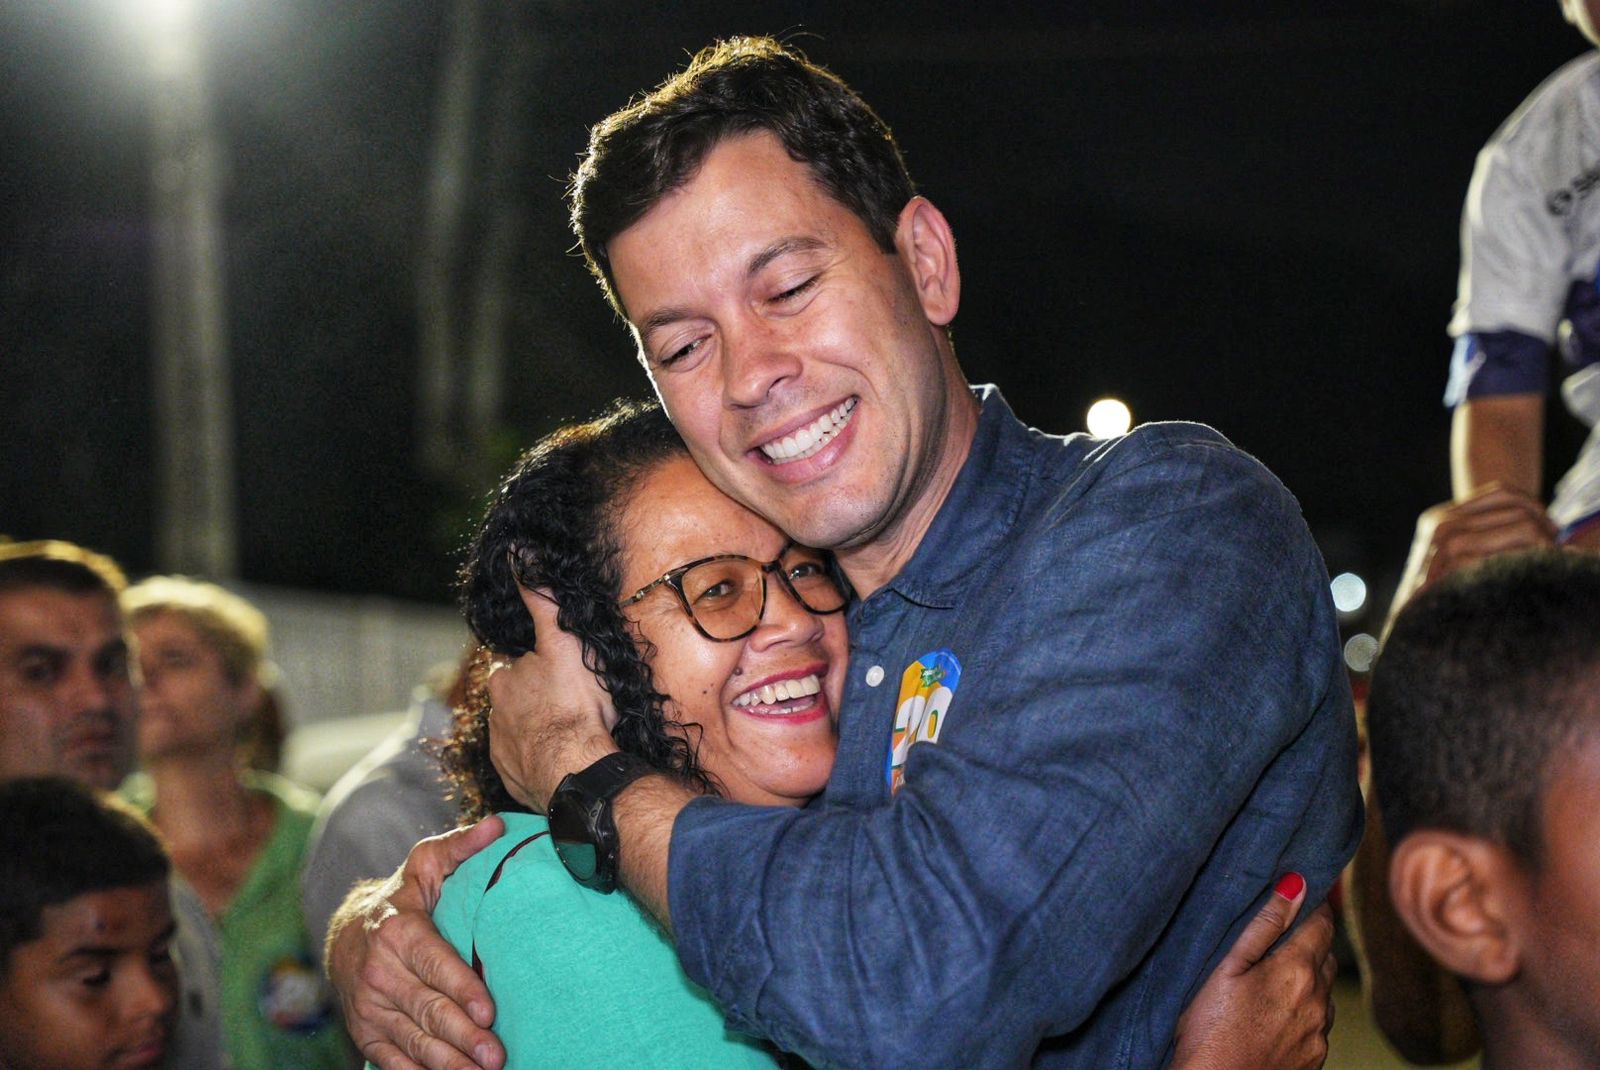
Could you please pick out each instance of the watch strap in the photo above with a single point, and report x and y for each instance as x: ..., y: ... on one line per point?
x: 606, y: 777
x: 581, y: 824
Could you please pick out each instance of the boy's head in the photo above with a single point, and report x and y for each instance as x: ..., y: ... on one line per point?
x: 1484, y: 719
x: 87, y: 980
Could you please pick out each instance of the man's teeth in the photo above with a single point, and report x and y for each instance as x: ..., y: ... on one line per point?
x: 782, y: 691
x: 811, y: 438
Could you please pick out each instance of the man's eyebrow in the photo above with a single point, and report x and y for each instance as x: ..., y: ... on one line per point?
x: 662, y: 317
x: 42, y: 650
x: 782, y: 247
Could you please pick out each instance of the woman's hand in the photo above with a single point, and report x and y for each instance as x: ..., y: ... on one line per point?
x: 403, y: 987
x: 1260, y: 1011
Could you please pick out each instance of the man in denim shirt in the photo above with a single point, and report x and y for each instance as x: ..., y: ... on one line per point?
x: 1095, y: 701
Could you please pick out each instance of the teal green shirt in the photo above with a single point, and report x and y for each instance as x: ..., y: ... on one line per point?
x: 578, y: 978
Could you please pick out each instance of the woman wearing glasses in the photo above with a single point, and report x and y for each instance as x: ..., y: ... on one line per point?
x: 723, y: 648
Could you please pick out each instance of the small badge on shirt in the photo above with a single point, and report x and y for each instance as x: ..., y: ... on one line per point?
x: 926, y: 688
x: 294, y: 997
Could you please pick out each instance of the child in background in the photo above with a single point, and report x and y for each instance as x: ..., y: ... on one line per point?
x: 1484, y: 721
x: 87, y: 979
x: 1530, y: 253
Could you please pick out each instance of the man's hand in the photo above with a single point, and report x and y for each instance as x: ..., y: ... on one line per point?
x: 1266, y: 1012
x: 1452, y: 535
x: 549, y: 716
x: 402, y: 985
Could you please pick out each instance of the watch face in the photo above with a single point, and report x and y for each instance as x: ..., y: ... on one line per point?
x: 581, y: 826
x: 579, y: 857
x: 573, y: 836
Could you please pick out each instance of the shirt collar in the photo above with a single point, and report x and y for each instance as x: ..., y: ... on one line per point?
x: 979, y: 512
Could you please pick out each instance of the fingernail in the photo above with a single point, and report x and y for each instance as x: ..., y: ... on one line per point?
x: 480, y: 1014
x: 1289, y: 886
x: 484, y: 1054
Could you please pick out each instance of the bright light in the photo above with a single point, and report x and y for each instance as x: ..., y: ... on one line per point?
x: 1109, y: 418
x: 1349, y: 592
x: 168, y: 27
x: 1360, y: 652
x: 168, y: 15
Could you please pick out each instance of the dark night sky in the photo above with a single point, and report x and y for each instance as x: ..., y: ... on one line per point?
x: 1247, y: 219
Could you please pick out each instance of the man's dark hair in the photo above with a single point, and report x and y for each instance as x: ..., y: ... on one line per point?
x: 60, y: 840
x: 1485, y: 679
x: 552, y: 524
x: 59, y: 566
x: 739, y: 86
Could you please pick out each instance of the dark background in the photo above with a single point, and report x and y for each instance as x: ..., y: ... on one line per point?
x: 1244, y: 214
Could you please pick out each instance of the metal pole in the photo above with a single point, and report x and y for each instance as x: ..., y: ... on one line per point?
x: 198, y: 528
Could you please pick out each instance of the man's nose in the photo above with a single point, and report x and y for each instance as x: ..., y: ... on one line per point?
x: 91, y: 689
x: 758, y: 355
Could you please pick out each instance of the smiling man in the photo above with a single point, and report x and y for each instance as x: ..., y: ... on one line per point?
x: 1095, y: 703
x: 774, y: 327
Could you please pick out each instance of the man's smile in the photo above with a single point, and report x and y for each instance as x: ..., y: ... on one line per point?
x: 811, y: 438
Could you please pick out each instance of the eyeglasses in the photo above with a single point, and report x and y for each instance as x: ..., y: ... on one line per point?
x: 726, y: 595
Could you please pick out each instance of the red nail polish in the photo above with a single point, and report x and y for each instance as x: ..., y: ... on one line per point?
x: 1289, y: 886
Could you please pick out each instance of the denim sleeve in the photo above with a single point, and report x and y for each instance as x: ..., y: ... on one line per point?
x: 1149, y: 655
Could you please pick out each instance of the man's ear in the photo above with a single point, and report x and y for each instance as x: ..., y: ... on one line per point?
x: 1454, y: 892
x: 926, y: 245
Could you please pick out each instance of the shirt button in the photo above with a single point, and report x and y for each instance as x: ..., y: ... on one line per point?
x: 875, y: 676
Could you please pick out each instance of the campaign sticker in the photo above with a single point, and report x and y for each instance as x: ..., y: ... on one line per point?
x: 926, y: 688
x: 294, y: 997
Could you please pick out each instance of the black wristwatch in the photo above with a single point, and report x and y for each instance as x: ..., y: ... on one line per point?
x: 581, y: 825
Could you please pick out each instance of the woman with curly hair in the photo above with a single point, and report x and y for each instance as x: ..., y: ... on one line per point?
x: 723, y: 648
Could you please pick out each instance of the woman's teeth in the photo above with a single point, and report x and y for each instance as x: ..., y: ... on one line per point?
x: 782, y: 691
x: 811, y: 438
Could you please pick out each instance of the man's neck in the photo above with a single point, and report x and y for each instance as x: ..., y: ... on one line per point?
x: 874, y: 563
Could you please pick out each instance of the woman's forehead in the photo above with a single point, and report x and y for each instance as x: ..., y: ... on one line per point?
x: 674, y: 515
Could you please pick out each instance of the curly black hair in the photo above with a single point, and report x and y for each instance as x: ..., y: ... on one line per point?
x: 552, y: 524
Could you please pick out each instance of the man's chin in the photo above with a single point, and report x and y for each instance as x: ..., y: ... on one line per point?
x: 834, y: 528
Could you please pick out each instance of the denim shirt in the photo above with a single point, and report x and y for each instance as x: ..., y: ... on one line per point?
x: 1150, y: 726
